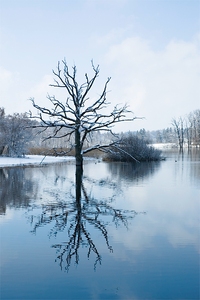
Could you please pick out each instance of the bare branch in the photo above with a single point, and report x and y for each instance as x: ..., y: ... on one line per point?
x: 76, y: 113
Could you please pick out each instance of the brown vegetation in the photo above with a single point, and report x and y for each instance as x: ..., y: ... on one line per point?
x: 62, y: 152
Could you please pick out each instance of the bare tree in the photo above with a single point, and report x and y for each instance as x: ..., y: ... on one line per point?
x: 15, y: 133
x: 179, y: 129
x: 194, y: 121
x: 78, y: 115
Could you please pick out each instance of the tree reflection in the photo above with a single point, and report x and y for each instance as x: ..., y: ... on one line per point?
x: 133, y: 172
x: 16, y: 186
x: 78, y: 217
x: 195, y: 166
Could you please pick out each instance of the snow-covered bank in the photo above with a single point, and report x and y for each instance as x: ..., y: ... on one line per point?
x: 32, y: 160
x: 163, y: 146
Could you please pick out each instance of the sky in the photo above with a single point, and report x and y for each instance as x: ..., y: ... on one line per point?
x: 149, y: 48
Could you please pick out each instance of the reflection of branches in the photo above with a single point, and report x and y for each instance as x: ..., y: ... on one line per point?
x: 51, y: 213
x: 77, y: 216
x: 76, y: 232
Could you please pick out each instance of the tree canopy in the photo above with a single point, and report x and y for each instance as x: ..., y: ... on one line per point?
x: 78, y: 114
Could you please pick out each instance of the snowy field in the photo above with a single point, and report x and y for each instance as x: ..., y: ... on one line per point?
x: 32, y: 160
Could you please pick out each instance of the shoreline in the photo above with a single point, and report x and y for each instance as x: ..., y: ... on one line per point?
x: 32, y: 160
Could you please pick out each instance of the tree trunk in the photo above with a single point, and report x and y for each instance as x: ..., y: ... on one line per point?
x: 79, y: 174
x: 78, y: 149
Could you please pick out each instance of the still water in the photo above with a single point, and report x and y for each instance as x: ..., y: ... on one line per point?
x: 133, y: 234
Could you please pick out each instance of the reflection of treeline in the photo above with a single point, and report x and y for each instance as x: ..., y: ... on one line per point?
x: 133, y: 172
x: 16, y: 188
x: 193, y: 155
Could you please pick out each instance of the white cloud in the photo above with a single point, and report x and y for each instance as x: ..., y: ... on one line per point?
x: 5, y: 77
x: 7, y: 80
x: 16, y: 91
x: 40, y: 90
x: 158, y: 84
x: 9, y: 86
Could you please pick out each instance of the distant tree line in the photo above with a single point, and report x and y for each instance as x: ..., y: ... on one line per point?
x: 15, y: 134
x: 187, y: 129
x: 184, y: 131
x: 17, y: 137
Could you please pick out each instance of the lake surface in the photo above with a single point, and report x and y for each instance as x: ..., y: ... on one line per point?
x: 134, y: 234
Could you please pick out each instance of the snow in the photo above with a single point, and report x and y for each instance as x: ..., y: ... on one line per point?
x: 32, y: 160
x: 164, y: 145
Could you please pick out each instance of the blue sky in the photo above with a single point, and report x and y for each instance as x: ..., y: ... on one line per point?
x: 149, y: 48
